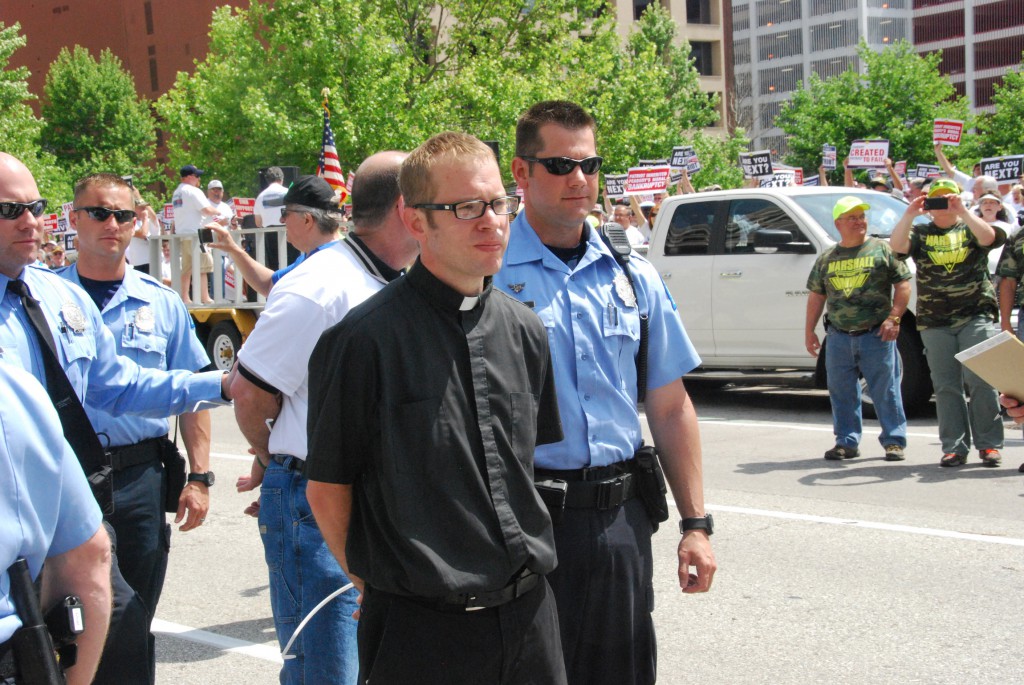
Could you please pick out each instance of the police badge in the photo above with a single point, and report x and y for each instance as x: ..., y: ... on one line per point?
x: 73, y: 317
x: 624, y: 289
x: 144, y: 320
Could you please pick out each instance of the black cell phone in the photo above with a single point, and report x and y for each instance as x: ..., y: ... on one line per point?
x: 936, y: 202
x: 205, y: 235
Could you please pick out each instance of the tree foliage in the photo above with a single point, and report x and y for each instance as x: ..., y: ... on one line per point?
x: 898, y: 97
x: 19, y: 127
x: 94, y: 119
x: 1003, y: 130
x: 400, y: 72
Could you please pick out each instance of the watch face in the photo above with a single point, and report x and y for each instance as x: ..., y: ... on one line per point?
x: 204, y: 478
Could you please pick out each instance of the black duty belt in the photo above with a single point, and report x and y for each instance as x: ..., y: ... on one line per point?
x: 524, y: 581
x: 598, y: 487
x: 290, y: 463
x: 132, y: 455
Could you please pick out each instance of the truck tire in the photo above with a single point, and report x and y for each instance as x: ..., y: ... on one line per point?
x: 222, y: 345
x: 915, y: 378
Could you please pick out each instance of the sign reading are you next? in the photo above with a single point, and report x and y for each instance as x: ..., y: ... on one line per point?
x: 1003, y: 169
x: 757, y: 164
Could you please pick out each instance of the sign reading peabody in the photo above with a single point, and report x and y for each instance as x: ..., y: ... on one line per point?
x: 947, y: 131
x: 647, y: 179
x: 1004, y: 169
x: 244, y: 206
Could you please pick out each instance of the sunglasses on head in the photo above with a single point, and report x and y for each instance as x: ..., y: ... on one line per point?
x: 560, y: 166
x: 12, y: 210
x: 121, y: 216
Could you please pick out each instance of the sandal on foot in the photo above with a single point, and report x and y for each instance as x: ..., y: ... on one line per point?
x: 990, y: 457
x: 953, y: 459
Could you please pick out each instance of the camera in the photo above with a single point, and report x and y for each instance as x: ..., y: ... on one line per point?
x: 205, y: 235
x: 941, y: 202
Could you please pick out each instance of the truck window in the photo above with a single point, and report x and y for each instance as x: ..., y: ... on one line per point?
x: 747, y: 217
x: 689, y: 232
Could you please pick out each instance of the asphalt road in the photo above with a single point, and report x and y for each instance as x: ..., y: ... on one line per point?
x: 860, y: 571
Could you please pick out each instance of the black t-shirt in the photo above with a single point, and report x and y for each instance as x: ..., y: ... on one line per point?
x: 432, y: 414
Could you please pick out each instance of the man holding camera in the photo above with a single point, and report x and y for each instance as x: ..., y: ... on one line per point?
x: 192, y: 210
x: 956, y: 306
x: 151, y: 326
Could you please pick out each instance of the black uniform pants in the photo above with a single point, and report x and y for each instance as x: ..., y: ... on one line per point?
x: 402, y: 641
x: 604, y: 591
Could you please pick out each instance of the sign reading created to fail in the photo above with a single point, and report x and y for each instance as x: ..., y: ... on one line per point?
x: 868, y: 154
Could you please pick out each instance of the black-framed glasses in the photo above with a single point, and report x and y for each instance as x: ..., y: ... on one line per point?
x: 474, y: 209
x: 294, y: 210
x: 101, y: 214
x: 12, y: 210
x: 560, y: 166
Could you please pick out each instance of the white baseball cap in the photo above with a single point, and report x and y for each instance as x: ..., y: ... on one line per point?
x: 215, y: 184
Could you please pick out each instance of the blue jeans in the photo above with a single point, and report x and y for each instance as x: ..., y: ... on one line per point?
x: 302, y: 573
x: 961, y: 421
x: 848, y: 358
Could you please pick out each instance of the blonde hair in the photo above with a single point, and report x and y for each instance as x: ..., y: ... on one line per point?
x: 415, y: 178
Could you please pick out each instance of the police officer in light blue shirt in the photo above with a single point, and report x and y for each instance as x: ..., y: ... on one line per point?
x: 48, y: 513
x: 604, y: 581
x: 101, y: 379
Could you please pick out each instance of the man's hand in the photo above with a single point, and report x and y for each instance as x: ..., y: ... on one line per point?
x: 695, y: 550
x: 251, y: 482
x: 1014, y: 407
x: 195, y: 500
x: 889, y: 330
x: 812, y: 343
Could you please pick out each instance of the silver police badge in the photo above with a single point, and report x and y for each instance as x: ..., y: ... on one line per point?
x: 624, y: 290
x: 144, y: 320
x: 73, y: 317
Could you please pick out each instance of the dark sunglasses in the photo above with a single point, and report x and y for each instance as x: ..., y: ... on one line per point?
x: 560, y: 166
x: 12, y: 210
x: 121, y: 216
x: 294, y: 210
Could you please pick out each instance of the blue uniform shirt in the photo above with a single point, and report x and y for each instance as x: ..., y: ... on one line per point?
x: 164, y: 338
x: 594, y: 335
x: 46, y: 505
x: 99, y: 376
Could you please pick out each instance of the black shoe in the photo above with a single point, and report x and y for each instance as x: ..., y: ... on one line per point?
x: 838, y: 452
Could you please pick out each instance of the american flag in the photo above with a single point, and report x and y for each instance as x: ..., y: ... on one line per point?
x: 329, y: 167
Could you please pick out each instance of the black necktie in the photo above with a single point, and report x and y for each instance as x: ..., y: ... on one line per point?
x: 78, y: 430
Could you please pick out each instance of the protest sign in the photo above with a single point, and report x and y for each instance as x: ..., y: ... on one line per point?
x: 1003, y: 169
x: 756, y: 164
x: 828, y: 157
x: 782, y: 178
x: 614, y: 185
x: 168, y: 214
x: 947, y: 131
x: 50, y: 224
x: 900, y: 168
x: 684, y: 156
x: 868, y: 154
x: 244, y: 206
x: 646, y: 179
x: 928, y: 171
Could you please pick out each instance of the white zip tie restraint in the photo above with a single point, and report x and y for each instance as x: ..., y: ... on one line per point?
x: 318, y: 607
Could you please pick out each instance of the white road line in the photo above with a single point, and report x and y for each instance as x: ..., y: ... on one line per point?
x: 891, y: 527
x: 824, y: 428
x: 221, y: 642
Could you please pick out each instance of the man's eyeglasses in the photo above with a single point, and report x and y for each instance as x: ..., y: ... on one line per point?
x: 12, y: 210
x: 474, y: 209
x: 101, y: 214
x: 294, y: 210
x: 560, y: 166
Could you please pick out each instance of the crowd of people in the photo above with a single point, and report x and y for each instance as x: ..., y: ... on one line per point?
x: 484, y: 487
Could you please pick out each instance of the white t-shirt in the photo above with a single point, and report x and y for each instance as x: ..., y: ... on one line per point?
x: 138, y: 248
x: 188, y: 203
x: 224, y: 211
x: 271, y: 216
x: 300, y: 308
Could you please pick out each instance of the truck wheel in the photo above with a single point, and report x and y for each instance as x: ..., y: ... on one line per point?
x: 915, y: 378
x: 223, y: 345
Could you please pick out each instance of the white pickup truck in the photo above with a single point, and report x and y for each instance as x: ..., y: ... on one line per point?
x: 737, y: 262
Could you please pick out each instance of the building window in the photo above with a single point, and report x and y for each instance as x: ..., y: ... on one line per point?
x: 888, y: 4
x: 820, y: 7
x: 741, y: 18
x: 698, y: 12
x: 936, y: 27
x: 771, y: 12
x: 741, y: 51
x: 953, y: 60
x: 638, y: 8
x: 886, y: 30
x: 780, y: 79
x: 834, y: 34
x: 827, y: 68
x: 998, y: 15
x: 783, y: 44
x: 744, y: 85
x: 702, y: 57
x: 1003, y: 52
x: 768, y: 112
x: 147, y: 9
x: 777, y: 144
x: 921, y: 4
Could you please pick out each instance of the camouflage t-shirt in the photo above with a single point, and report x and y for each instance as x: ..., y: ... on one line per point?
x: 1011, y: 264
x: 857, y: 283
x: 953, y: 283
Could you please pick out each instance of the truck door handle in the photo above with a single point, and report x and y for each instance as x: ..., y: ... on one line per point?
x: 665, y: 275
x: 730, y: 274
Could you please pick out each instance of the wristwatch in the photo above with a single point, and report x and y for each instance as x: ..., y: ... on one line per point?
x: 204, y: 478
x: 895, y: 319
x: 705, y: 523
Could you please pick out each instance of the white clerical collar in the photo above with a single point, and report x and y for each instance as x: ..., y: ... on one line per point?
x: 469, y: 303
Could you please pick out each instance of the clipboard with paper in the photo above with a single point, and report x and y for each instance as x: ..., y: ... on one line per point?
x: 999, y: 361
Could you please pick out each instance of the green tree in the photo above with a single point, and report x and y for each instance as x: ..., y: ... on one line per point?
x: 898, y: 97
x: 19, y: 127
x: 1003, y: 129
x: 93, y: 118
x: 400, y: 72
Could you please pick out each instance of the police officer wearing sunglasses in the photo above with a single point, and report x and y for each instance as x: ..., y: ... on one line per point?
x: 85, y: 350
x: 584, y: 296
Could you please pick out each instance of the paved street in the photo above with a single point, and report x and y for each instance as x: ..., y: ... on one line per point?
x: 856, y: 572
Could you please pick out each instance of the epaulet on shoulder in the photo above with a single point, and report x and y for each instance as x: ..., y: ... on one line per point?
x: 506, y: 295
x: 152, y: 282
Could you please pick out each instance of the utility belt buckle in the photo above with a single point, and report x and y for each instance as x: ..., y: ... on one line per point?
x: 612, y: 493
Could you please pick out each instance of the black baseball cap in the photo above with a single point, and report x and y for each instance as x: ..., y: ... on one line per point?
x: 312, y: 191
x: 191, y: 170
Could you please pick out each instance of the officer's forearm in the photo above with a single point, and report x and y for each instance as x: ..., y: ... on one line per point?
x: 83, y: 571
x: 676, y: 433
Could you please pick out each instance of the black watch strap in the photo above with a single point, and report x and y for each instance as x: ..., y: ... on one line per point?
x: 705, y: 523
x: 204, y: 478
